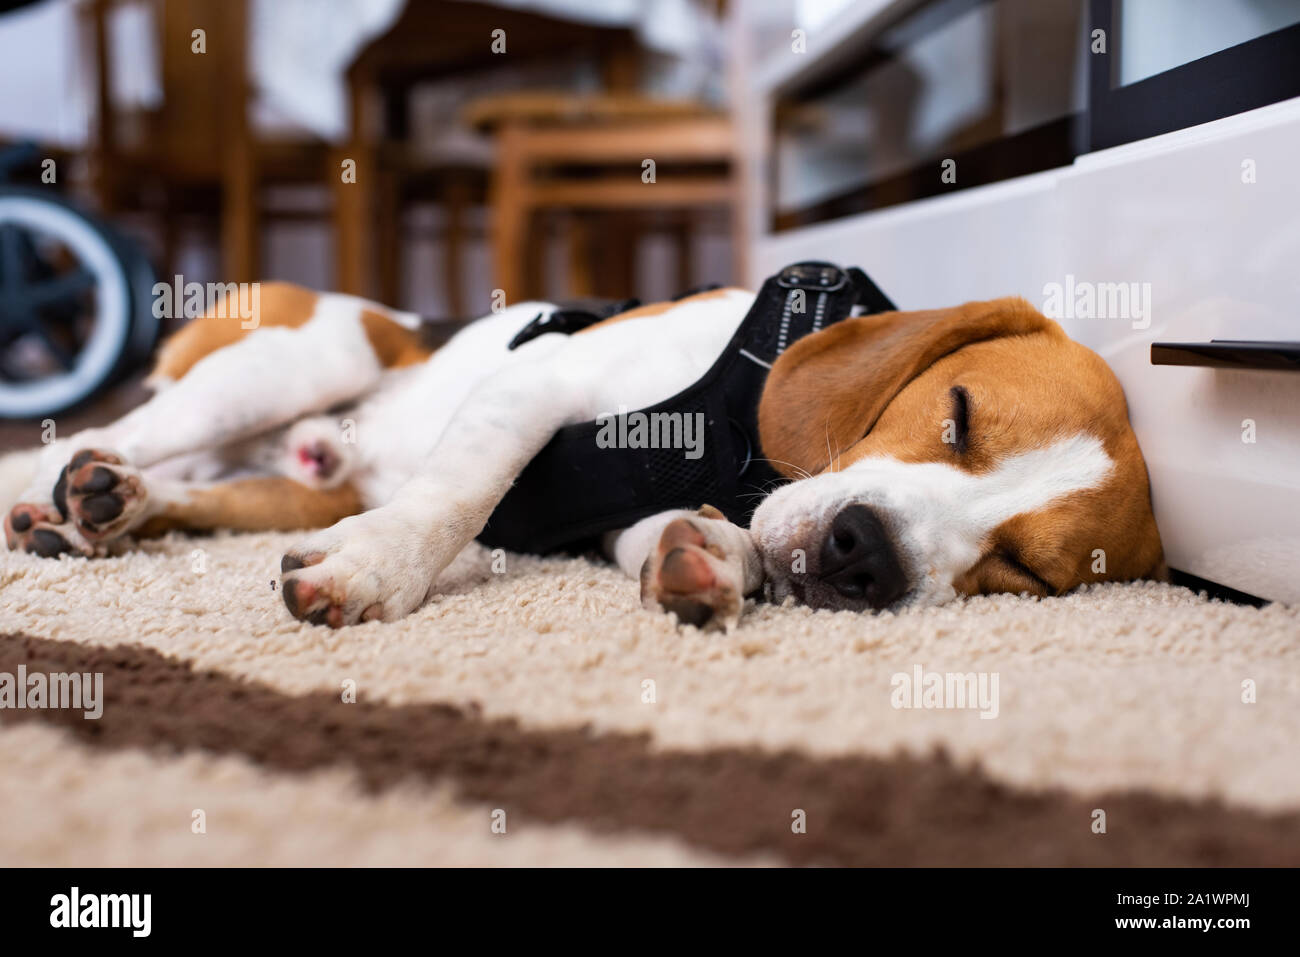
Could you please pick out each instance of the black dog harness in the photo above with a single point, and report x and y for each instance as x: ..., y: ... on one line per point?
x: 575, y: 490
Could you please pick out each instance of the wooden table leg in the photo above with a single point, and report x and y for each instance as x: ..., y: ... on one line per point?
x: 510, y: 213
x: 389, y: 240
x: 618, y: 243
x: 582, y: 282
x: 682, y: 235
x: 239, y: 238
x: 354, y: 219
x: 455, y: 203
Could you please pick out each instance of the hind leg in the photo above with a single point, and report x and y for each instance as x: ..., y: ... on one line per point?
x: 100, y: 498
x: 100, y: 512
x: 259, y: 383
x: 40, y: 529
x: 264, y: 503
x: 256, y: 384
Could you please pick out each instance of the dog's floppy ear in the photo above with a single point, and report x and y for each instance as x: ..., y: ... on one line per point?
x: 828, y: 389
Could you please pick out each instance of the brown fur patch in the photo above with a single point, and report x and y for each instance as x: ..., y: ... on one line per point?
x: 827, y: 391
x: 394, y: 344
x: 264, y: 503
x: 279, y: 304
x: 659, y: 308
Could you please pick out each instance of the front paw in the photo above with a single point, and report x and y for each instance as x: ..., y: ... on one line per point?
x: 361, y: 569
x: 700, y: 570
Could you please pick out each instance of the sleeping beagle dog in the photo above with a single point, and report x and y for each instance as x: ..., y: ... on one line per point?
x: 931, y: 454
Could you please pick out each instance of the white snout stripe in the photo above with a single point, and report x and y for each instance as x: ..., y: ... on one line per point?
x: 939, y: 515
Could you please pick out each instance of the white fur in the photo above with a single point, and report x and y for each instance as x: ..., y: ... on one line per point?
x: 653, y: 358
x: 938, y: 515
x: 16, y: 472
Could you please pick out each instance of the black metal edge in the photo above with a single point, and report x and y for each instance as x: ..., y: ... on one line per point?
x: 1243, y: 77
x: 1036, y: 150
x: 1215, y: 590
x: 1229, y: 354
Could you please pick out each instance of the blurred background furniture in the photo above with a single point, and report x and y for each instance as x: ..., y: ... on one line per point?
x: 328, y: 142
x: 196, y: 152
x: 653, y: 161
x: 432, y: 41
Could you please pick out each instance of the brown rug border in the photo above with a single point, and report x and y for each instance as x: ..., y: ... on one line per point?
x: 860, y: 811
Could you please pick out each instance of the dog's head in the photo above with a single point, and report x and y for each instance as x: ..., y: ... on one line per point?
x: 950, y: 452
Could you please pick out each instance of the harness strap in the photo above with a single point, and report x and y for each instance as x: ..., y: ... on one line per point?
x: 570, y: 319
x: 579, y: 487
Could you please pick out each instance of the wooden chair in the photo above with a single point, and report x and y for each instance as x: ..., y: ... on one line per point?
x: 584, y: 157
x: 197, y: 150
x: 432, y: 40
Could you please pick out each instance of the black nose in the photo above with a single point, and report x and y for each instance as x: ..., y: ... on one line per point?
x: 858, y: 559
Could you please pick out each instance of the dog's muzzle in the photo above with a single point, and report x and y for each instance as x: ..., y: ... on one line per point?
x: 858, y: 559
x: 852, y: 563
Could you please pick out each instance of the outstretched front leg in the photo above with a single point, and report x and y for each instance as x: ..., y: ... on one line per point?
x: 382, y: 564
x: 697, y: 565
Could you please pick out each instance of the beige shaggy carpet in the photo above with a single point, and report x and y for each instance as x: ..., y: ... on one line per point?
x: 541, y: 716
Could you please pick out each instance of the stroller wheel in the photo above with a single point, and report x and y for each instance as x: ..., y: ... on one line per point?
x: 66, y: 305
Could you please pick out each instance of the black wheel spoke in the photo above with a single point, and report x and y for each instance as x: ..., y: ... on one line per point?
x: 12, y: 273
x: 62, y: 289
x: 62, y: 356
x: 51, y: 309
x: 10, y: 333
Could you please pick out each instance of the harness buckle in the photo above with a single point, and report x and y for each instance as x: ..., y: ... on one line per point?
x: 818, y: 276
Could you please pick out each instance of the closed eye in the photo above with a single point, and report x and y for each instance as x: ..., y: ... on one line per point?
x: 1011, y: 561
x: 960, y: 418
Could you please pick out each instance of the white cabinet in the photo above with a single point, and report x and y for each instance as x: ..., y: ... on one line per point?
x: 1206, y: 221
